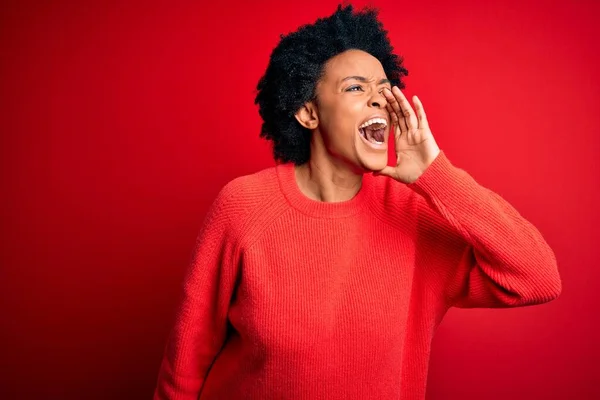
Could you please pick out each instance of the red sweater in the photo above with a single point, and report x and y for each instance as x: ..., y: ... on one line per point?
x: 291, y: 298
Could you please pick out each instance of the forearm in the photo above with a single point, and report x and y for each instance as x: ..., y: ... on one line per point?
x: 506, y: 261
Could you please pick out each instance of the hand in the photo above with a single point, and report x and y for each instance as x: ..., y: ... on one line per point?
x: 415, y: 146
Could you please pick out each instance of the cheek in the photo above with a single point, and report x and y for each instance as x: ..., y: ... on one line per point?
x: 346, y: 116
x: 339, y: 123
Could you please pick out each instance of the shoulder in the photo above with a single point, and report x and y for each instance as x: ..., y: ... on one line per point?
x: 250, y: 201
x: 249, y: 190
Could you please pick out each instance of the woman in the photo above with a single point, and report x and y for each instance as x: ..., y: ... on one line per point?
x: 326, y: 276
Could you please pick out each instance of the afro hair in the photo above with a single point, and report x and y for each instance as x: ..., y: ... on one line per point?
x: 297, y: 63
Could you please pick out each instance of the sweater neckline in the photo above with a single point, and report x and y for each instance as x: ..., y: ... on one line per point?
x: 286, y: 175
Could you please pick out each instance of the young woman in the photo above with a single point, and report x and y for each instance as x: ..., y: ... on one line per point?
x: 326, y: 276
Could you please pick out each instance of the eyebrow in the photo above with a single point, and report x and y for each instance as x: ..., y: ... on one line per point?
x: 365, y: 80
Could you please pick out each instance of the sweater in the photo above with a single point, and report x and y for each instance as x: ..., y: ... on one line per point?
x: 287, y: 297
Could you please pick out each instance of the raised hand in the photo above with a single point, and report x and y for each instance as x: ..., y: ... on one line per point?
x: 415, y: 146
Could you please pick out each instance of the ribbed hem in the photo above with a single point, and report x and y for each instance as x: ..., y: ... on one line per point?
x: 287, y: 181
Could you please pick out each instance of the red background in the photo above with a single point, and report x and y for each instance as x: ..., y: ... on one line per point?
x: 120, y: 123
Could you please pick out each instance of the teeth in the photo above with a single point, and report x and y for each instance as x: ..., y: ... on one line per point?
x: 373, y: 121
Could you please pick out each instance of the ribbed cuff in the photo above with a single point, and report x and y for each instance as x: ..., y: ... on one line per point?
x: 440, y: 178
x: 452, y: 191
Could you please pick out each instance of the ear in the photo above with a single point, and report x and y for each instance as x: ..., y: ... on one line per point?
x: 307, y: 115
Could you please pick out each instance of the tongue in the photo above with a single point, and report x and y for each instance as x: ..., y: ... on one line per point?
x: 377, y: 134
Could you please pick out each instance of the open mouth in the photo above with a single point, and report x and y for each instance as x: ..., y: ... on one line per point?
x: 373, y: 131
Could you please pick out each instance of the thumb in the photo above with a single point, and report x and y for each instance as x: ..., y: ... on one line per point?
x: 387, y: 171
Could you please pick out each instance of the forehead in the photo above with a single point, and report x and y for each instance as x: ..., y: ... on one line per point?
x: 353, y: 63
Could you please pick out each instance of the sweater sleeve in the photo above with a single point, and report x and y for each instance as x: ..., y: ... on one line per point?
x: 504, y: 262
x: 200, y: 325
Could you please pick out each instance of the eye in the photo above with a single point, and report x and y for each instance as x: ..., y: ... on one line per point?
x: 351, y: 88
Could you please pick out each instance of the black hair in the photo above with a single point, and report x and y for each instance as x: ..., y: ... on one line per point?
x: 297, y: 63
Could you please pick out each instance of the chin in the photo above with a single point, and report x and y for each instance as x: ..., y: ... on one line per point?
x: 371, y: 157
x: 372, y: 163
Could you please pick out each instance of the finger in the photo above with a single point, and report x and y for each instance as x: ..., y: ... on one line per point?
x: 392, y: 113
x: 423, y: 123
x: 393, y: 103
x: 406, y: 109
x: 395, y: 123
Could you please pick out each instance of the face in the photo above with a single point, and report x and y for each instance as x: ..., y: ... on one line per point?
x: 348, y: 99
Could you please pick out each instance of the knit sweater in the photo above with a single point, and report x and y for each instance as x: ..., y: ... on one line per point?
x: 291, y: 298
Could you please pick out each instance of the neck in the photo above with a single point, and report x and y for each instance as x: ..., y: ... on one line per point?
x: 328, y: 179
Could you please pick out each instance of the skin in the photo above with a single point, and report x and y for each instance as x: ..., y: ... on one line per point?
x: 339, y: 156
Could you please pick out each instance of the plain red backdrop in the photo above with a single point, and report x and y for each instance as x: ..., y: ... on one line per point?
x: 120, y: 122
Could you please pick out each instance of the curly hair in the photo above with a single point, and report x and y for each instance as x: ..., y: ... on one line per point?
x: 297, y: 63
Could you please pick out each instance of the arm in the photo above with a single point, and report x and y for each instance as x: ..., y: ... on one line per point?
x: 502, y: 259
x: 201, y: 321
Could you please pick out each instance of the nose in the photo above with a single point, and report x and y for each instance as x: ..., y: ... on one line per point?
x: 378, y: 99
